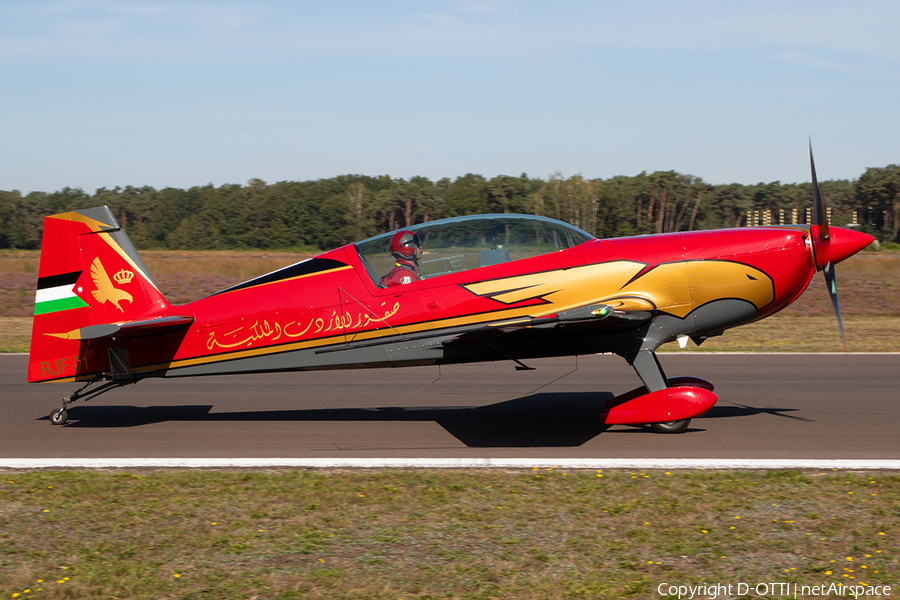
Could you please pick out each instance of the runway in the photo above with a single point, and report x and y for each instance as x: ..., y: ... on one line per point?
x: 783, y: 407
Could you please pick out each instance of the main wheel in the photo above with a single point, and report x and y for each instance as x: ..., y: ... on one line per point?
x: 671, y: 426
x: 59, y: 417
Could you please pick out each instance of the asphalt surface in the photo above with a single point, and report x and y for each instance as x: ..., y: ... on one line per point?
x: 770, y: 406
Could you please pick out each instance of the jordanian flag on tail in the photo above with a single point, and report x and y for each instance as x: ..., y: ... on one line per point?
x: 57, y: 293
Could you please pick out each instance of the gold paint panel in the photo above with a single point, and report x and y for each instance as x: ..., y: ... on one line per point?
x: 717, y: 279
x: 94, y: 224
x: 664, y: 287
x: 565, y: 288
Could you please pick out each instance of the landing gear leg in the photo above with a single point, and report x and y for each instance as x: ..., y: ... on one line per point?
x: 651, y: 373
x: 647, y: 366
x: 60, y: 416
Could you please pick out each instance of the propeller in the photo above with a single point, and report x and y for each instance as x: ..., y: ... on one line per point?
x: 820, y: 216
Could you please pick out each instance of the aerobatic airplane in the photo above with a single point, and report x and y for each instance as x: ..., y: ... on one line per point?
x: 465, y: 289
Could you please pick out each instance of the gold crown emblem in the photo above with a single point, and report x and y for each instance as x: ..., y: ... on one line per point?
x: 123, y: 277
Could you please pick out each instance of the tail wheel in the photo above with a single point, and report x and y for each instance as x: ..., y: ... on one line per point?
x: 59, y: 417
x: 671, y: 426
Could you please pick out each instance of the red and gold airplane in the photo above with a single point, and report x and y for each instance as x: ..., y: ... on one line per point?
x: 487, y: 288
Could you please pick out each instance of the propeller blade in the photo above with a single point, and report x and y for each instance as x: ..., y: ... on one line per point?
x: 820, y: 215
x: 831, y: 282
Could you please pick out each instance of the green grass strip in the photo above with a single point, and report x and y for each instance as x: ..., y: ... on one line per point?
x: 415, y: 534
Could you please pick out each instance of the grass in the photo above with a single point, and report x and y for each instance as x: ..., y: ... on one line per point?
x: 786, y: 333
x: 439, y: 534
x: 869, y: 284
x: 15, y: 334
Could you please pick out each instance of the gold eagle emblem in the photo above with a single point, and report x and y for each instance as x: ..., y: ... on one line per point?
x: 106, y: 291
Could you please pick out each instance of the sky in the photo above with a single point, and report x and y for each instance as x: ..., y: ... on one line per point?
x: 112, y: 93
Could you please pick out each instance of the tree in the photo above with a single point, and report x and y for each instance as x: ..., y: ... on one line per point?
x: 467, y: 195
x: 878, y: 196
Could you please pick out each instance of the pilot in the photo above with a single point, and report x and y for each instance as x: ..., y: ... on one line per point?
x: 406, y: 248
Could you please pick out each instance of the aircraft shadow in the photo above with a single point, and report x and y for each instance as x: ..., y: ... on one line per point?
x: 533, y: 421
x: 741, y: 410
x: 540, y: 420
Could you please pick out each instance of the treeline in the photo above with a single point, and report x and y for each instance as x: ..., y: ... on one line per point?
x: 327, y: 213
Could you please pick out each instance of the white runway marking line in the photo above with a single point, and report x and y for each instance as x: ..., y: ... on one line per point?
x: 447, y: 463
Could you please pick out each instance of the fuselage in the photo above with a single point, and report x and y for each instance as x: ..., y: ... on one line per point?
x: 492, y: 303
x: 705, y: 282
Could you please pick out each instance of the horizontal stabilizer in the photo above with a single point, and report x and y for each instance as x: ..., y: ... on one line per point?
x: 128, y: 329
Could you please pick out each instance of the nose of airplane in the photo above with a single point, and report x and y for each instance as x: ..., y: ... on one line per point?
x: 841, y: 244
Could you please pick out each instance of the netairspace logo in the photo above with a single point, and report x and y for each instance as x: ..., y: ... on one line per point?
x: 711, y: 591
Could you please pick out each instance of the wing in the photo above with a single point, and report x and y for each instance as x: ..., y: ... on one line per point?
x: 600, y: 317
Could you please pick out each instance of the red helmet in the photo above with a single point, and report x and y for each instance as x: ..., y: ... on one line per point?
x: 404, y: 244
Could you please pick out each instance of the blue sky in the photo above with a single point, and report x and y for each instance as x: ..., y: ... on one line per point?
x: 114, y: 93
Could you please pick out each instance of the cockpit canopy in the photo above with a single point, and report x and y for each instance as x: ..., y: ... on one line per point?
x: 464, y: 243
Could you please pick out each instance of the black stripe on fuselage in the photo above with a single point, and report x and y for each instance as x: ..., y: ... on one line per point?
x: 58, y: 280
x: 307, y: 267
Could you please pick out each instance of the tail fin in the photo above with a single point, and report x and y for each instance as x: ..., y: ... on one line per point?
x: 91, y: 280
